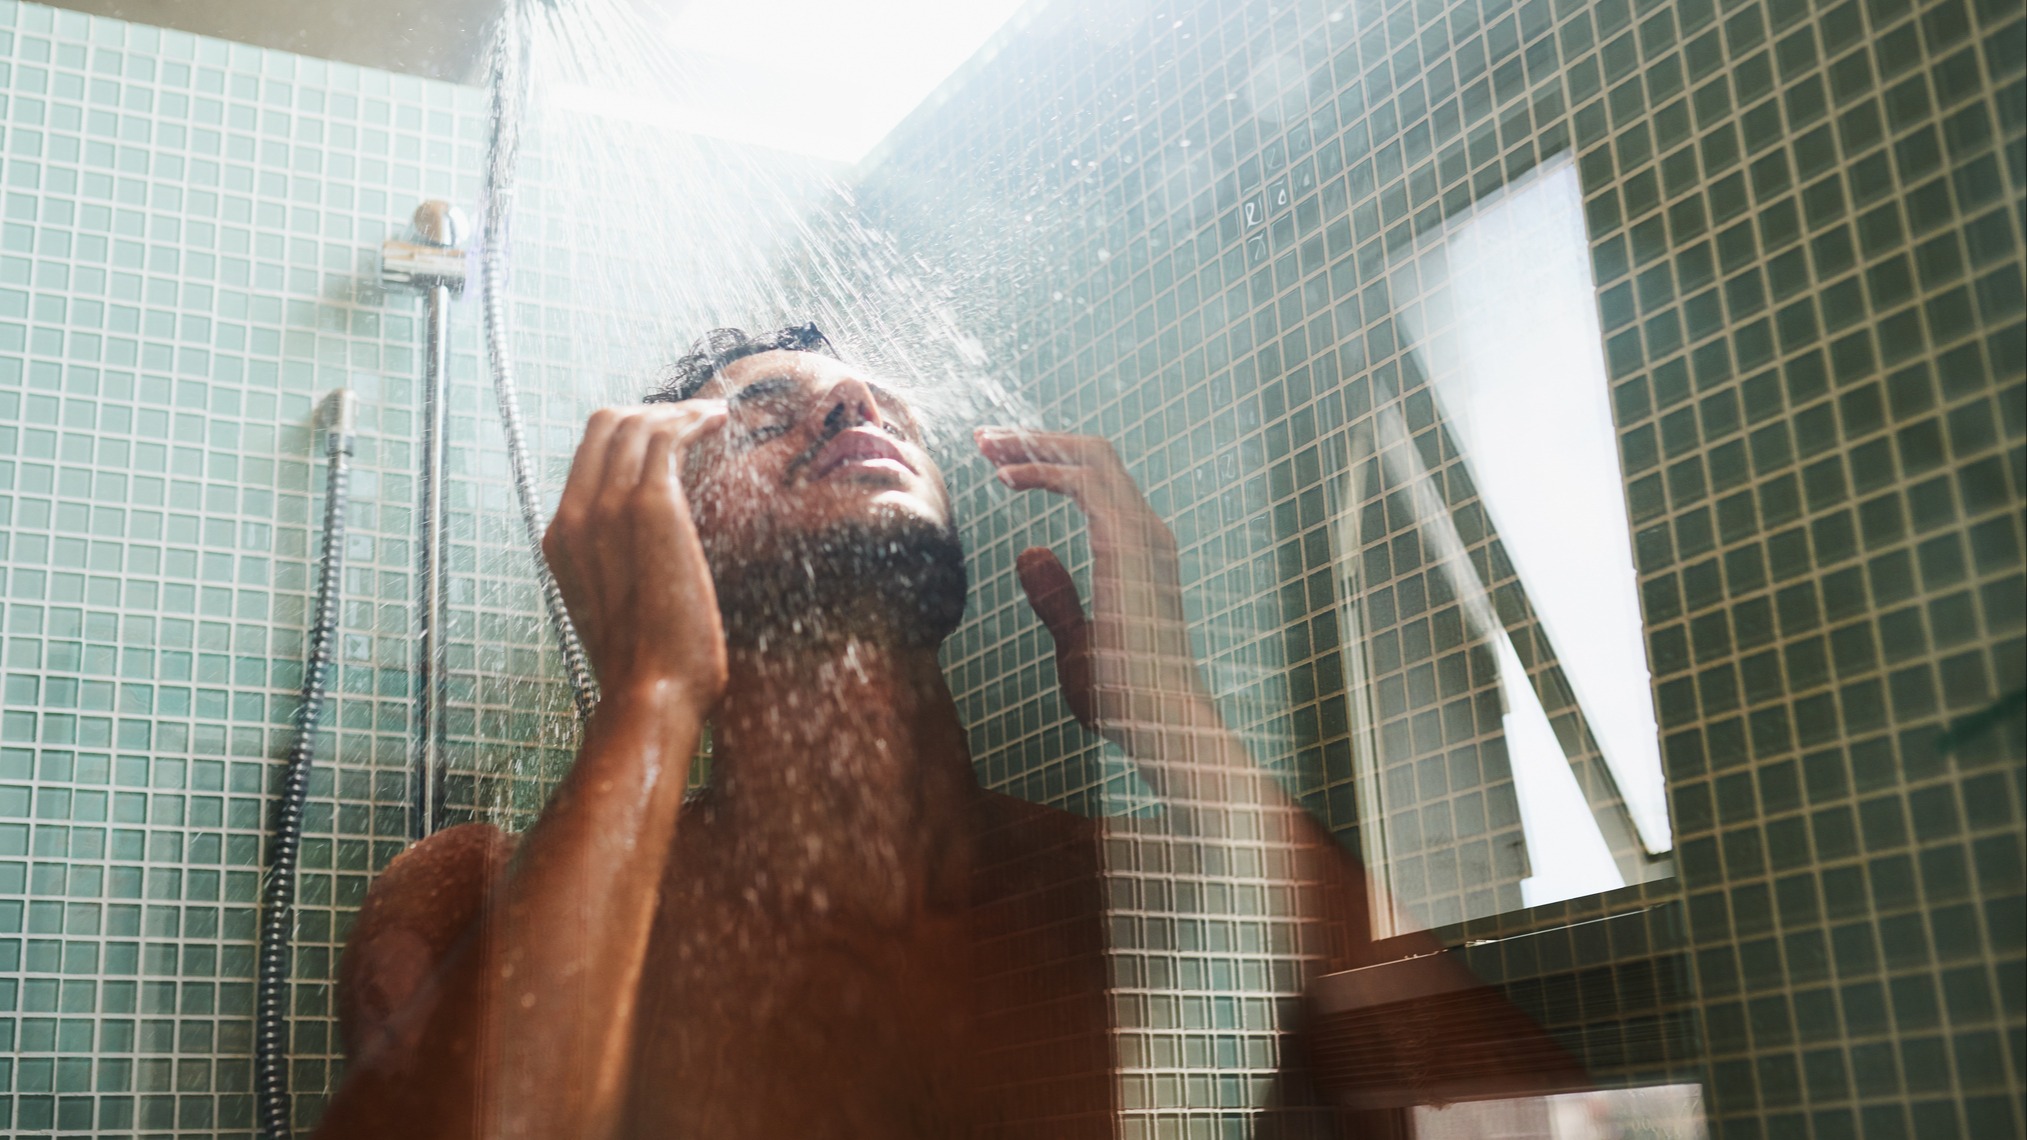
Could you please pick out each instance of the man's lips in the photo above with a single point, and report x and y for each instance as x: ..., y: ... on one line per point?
x: 860, y: 447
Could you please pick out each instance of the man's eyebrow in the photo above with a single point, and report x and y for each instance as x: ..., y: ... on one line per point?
x: 760, y: 389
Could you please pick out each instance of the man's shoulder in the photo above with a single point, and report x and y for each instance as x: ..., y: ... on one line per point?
x: 448, y: 864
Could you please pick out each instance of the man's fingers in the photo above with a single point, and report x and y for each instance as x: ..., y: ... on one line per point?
x: 1054, y: 596
x: 1111, y: 506
x: 1051, y: 592
x: 628, y: 450
x: 1056, y: 477
x: 1002, y: 446
x: 1083, y: 467
x: 671, y: 438
x: 588, y: 465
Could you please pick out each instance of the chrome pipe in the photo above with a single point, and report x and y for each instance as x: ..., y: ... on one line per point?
x: 430, y: 262
x: 430, y: 569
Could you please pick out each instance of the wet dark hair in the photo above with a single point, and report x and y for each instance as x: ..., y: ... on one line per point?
x: 711, y: 353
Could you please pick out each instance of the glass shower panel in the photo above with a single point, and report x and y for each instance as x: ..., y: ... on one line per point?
x: 1496, y: 662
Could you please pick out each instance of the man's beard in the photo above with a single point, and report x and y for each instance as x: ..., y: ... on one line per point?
x: 895, y: 577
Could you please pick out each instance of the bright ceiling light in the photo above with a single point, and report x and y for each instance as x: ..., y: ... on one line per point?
x: 826, y: 80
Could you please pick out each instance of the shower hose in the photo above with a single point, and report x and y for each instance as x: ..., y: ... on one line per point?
x: 278, y: 897
x: 509, y: 88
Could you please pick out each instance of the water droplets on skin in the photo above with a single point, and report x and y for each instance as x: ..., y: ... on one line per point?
x: 634, y: 238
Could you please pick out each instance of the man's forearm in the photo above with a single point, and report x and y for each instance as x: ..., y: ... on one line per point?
x: 1207, y: 776
x: 577, y: 909
x: 529, y: 1027
x: 1193, y: 762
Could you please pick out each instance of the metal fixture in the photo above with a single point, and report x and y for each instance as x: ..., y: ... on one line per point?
x: 278, y: 897
x: 430, y: 261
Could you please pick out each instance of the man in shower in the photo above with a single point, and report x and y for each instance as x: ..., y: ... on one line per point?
x: 843, y: 935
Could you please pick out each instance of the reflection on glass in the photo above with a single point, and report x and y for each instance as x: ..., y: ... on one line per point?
x: 1520, y: 377
x: 1658, y: 1112
x: 1499, y: 680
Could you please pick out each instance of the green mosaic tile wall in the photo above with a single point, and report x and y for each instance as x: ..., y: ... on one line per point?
x: 1806, y: 232
x: 188, y: 261
x: 1805, y: 228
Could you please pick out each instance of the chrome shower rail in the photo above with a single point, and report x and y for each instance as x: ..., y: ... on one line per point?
x: 432, y: 263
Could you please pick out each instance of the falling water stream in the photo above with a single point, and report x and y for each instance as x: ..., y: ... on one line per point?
x: 642, y: 235
x: 617, y: 236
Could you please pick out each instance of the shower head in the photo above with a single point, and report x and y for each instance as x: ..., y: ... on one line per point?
x: 431, y: 254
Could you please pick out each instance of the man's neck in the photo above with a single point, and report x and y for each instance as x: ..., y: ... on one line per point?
x: 844, y: 764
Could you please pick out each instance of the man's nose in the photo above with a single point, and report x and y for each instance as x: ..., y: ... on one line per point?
x: 851, y: 404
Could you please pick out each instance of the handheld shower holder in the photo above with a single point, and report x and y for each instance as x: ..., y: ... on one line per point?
x: 430, y: 255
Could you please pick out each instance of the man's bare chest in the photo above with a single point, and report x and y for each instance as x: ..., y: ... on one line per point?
x: 782, y: 998
x: 770, y: 1010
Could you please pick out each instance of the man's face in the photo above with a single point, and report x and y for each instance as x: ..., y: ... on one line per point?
x: 819, y: 509
x: 810, y: 443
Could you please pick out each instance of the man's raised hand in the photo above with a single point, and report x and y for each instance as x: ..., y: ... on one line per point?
x: 1127, y: 670
x: 625, y: 553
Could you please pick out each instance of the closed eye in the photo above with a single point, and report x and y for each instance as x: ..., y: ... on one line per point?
x: 765, y: 408
x: 771, y: 406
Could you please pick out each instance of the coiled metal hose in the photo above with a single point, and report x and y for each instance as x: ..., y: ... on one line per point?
x: 278, y: 897
x: 509, y: 80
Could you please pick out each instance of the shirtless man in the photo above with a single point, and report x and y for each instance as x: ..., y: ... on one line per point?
x: 844, y: 935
